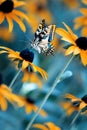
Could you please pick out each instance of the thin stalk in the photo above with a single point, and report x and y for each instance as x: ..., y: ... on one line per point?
x: 15, y: 77
x: 73, y: 121
x: 58, y: 79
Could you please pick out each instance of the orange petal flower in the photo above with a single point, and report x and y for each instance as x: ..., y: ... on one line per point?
x: 25, y: 57
x: 78, y: 45
x: 9, y: 12
x: 7, y: 95
x: 74, y: 104
x: 31, y: 107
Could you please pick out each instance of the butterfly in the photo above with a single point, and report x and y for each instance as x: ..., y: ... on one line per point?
x: 43, y: 38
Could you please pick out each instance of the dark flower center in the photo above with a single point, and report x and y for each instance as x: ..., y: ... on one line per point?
x: 76, y: 103
x: 84, y: 98
x: 40, y: 7
x: 82, y: 43
x: 27, y: 55
x: 29, y: 100
x: 7, y: 6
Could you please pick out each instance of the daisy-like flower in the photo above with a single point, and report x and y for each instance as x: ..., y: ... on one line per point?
x: 81, y: 21
x: 31, y: 107
x: 72, y: 4
x: 25, y: 58
x: 6, y: 35
x: 74, y: 104
x: 9, y: 11
x: 30, y: 76
x: 78, y: 44
x: 47, y: 126
x: 36, y: 10
x: 7, y: 95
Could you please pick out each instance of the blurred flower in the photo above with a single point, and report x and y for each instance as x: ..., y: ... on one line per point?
x: 30, y: 106
x: 30, y: 76
x: 25, y: 57
x: 72, y: 4
x: 81, y: 21
x: 84, y: 1
x: 78, y: 45
x: 6, y: 35
x: 38, y: 10
x: 47, y: 126
x: 74, y: 104
x: 7, y: 95
x: 8, y: 10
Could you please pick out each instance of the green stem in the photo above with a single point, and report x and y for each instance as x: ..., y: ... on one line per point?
x: 58, y: 79
x: 15, y: 77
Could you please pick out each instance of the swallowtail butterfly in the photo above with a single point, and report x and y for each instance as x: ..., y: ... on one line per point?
x: 43, y: 38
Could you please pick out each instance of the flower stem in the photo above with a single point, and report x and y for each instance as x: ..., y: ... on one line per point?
x: 78, y: 113
x: 15, y: 77
x: 57, y: 80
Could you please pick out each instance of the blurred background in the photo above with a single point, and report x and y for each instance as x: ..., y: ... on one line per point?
x: 54, y: 12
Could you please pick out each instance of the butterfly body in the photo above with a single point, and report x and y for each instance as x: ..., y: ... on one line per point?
x: 43, y: 37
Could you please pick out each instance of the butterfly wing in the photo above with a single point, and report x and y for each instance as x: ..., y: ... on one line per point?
x: 43, y: 36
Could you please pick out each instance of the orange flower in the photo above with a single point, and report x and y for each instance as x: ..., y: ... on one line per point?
x: 81, y: 22
x: 7, y: 95
x: 36, y: 10
x: 30, y: 106
x: 6, y: 35
x: 47, y: 126
x: 25, y: 57
x: 74, y: 104
x: 78, y: 45
x: 72, y: 4
x: 31, y: 77
x: 8, y: 10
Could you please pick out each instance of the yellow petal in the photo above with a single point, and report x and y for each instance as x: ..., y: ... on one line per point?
x: 2, y: 17
x: 19, y: 21
x: 83, y: 11
x: 52, y: 126
x: 82, y: 105
x: 18, y: 3
x: 42, y: 72
x: 83, y: 55
x: 24, y: 64
x: 10, y: 23
x: 3, y: 103
x: 39, y: 126
x: 70, y: 50
x: 84, y: 31
x: 28, y: 109
x: 79, y: 22
x: 21, y: 14
x: 76, y: 51
x: 70, y: 31
x: 70, y: 96
x: 65, y: 35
